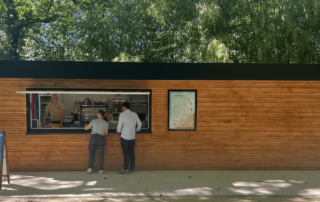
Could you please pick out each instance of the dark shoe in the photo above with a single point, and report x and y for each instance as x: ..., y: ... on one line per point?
x: 123, y: 172
x: 132, y: 171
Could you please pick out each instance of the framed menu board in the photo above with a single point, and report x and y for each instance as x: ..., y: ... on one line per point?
x: 182, y: 110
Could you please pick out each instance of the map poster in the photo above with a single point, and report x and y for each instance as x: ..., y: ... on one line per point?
x: 182, y: 109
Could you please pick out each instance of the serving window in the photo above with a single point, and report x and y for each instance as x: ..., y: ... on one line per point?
x: 67, y: 111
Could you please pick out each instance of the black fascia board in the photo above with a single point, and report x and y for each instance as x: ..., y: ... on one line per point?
x: 157, y: 71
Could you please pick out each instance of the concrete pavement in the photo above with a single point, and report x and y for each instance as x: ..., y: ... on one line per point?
x: 162, y: 185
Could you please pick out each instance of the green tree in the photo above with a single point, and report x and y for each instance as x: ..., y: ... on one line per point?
x: 269, y: 31
x: 249, y: 31
x: 19, y: 16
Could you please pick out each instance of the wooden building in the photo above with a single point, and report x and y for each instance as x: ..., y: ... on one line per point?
x: 249, y: 116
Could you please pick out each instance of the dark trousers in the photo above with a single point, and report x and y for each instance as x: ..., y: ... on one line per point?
x: 96, y: 142
x: 128, y: 153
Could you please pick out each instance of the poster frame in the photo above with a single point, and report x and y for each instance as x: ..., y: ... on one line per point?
x: 4, y: 148
x: 196, y: 109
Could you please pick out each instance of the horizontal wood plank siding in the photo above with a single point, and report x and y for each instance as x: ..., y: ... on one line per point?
x: 241, y: 125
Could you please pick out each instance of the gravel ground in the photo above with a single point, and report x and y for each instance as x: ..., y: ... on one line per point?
x: 172, y: 199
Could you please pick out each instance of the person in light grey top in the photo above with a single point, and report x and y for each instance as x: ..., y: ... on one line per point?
x: 129, y: 124
x: 97, y: 140
x: 99, y: 126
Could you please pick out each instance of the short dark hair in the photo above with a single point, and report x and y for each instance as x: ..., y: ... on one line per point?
x: 87, y: 99
x: 126, y: 104
x: 101, y: 112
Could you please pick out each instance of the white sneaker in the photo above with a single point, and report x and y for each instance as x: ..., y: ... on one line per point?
x: 89, y: 170
x: 101, y: 171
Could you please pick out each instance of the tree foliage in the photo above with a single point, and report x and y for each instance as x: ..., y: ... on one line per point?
x: 215, y: 31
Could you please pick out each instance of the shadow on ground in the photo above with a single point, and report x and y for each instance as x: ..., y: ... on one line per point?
x: 177, y: 186
x: 172, y: 199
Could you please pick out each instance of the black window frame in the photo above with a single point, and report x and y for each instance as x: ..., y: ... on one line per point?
x: 31, y: 131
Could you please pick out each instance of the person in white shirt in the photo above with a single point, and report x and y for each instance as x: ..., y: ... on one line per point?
x: 129, y: 124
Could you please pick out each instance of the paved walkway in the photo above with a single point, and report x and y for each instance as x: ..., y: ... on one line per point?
x: 160, y: 185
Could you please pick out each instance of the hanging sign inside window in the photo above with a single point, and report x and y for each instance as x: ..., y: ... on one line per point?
x: 182, y: 110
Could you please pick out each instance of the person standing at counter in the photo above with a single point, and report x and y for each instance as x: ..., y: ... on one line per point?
x: 86, y: 101
x: 129, y: 124
x: 97, y: 140
x: 107, y: 117
x: 56, y: 110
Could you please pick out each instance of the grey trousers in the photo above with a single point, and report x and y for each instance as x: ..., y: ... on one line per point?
x: 96, y: 142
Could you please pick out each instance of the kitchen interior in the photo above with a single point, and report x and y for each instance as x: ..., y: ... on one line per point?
x: 77, y: 114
